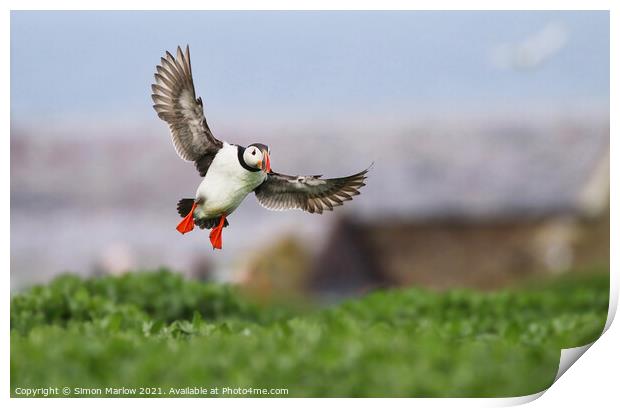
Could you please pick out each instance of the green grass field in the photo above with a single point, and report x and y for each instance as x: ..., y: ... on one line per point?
x: 160, y: 330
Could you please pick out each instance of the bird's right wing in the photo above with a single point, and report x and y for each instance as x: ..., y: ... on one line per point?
x: 176, y: 103
x: 308, y: 193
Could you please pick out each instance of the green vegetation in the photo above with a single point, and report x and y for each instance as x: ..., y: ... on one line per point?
x: 160, y: 330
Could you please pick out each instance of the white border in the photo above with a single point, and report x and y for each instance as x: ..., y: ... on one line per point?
x: 592, y: 379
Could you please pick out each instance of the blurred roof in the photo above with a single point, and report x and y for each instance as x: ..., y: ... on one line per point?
x: 480, y: 168
x: 516, y: 170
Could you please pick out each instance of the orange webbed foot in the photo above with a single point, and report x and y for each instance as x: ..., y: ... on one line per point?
x: 216, y: 234
x: 187, y: 223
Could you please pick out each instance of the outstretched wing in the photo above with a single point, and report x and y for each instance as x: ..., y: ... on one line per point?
x: 176, y: 103
x: 309, y: 193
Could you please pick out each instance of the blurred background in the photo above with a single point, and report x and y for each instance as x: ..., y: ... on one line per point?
x: 489, y: 132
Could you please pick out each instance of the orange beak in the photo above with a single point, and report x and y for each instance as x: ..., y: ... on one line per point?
x: 266, y: 164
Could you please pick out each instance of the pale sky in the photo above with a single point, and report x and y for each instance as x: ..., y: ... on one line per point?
x: 285, y: 65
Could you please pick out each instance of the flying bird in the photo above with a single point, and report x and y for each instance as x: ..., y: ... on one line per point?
x: 230, y: 172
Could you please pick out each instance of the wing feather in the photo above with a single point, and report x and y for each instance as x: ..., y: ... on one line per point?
x: 308, y: 193
x: 175, y: 102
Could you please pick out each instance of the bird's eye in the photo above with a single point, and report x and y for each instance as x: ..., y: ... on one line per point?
x: 253, y: 152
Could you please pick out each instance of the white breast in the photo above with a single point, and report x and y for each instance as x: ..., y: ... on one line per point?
x: 226, y: 184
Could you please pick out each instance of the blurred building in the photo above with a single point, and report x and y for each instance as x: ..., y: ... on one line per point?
x: 539, y: 222
x: 277, y: 271
x: 438, y: 192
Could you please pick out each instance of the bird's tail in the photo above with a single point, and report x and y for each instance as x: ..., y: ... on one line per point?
x: 184, y: 206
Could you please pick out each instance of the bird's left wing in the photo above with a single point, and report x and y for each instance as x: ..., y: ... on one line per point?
x: 308, y: 193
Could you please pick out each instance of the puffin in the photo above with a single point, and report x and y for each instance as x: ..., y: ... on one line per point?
x: 230, y: 171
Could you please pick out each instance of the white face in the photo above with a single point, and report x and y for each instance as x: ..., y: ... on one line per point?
x: 253, y: 157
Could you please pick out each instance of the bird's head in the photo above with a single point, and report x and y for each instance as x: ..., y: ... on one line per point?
x: 256, y: 156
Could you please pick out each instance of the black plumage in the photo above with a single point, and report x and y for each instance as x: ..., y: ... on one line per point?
x: 184, y: 206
